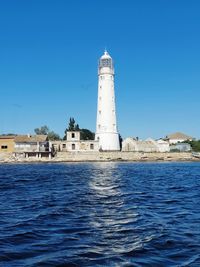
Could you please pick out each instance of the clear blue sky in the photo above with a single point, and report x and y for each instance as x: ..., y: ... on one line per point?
x: 48, y: 64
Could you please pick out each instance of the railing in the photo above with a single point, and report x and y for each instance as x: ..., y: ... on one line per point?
x: 32, y: 149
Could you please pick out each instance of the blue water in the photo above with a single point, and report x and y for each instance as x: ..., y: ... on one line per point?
x: 100, y: 214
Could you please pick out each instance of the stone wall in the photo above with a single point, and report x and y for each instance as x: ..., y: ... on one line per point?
x: 76, y: 146
x: 103, y: 156
x: 121, y: 156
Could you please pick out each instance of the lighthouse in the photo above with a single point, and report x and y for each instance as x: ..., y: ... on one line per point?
x: 106, y: 124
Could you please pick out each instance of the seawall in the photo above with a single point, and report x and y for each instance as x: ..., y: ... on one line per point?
x: 103, y: 156
x: 122, y: 156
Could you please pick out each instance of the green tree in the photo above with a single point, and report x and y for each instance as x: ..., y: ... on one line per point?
x: 42, y: 130
x: 77, y: 127
x: 52, y: 136
x: 8, y: 134
x: 45, y: 131
x: 195, y: 144
x: 72, y: 126
x: 87, y: 134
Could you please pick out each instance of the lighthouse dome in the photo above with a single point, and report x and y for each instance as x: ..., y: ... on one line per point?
x: 105, y: 55
x: 105, y: 61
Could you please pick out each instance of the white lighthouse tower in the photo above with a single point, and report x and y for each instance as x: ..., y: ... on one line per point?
x: 106, y: 127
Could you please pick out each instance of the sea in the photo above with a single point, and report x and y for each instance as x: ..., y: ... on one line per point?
x: 100, y: 214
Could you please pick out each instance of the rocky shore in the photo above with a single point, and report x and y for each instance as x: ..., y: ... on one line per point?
x: 103, y: 157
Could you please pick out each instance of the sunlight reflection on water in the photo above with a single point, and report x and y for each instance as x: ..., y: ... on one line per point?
x: 100, y: 214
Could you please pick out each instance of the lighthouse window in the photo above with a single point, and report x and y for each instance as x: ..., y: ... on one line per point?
x: 73, y: 135
x: 99, y: 126
x: 106, y: 63
x: 99, y: 111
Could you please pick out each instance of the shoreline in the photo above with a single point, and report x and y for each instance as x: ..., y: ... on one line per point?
x: 71, y: 162
x: 78, y: 157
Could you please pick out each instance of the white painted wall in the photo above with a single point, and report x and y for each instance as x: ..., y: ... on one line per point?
x: 150, y: 145
x: 174, y: 141
x: 106, y: 124
x: 163, y: 145
x: 73, y: 135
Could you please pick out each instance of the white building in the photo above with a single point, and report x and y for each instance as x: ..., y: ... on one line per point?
x: 133, y: 145
x: 106, y: 125
x: 149, y: 145
x: 163, y: 145
x: 181, y: 147
x: 178, y: 138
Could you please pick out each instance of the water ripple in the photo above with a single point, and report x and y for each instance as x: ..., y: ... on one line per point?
x: 101, y: 214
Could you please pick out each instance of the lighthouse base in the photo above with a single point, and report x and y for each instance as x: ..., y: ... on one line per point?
x: 108, y: 141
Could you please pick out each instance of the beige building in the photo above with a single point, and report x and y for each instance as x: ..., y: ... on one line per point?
x: 32, y: 146
x: 178, y: 138
x: 7, y: 143
x: 74, y: 143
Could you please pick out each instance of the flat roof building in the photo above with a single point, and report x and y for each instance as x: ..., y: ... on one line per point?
x: 7, y: 143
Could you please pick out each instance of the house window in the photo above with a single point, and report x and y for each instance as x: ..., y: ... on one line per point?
x: 73, y: 135
x: 91, y: 146
x: 64, y: 145
x: 73, y: 146
x: 4, y: 147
